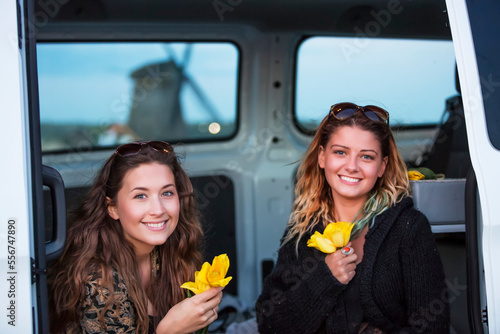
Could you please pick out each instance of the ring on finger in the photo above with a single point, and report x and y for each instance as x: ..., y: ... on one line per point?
x: 215, y: 312
x: 347, y: 250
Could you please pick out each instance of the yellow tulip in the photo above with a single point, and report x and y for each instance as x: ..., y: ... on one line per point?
x: 210, y: 275
x: 322, y: 243
x: 217, y: 272
x: 414, y: 175
x: 336, y: 235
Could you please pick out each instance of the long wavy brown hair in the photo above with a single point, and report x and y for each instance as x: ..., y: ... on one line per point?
x: 313, y: 195
x: 96, y: 244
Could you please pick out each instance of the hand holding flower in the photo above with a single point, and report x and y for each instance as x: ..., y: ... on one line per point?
x: 192, y: 313
x: 209, y: 277
x: 342, y: 267
x: 335, y: 235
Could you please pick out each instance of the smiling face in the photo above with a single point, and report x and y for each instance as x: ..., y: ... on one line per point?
x: 147, y: 206
x: 352, y: 161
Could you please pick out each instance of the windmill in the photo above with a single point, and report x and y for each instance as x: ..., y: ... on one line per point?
x: 156, y: 110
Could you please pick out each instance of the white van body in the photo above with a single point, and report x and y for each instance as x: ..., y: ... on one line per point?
x: 16, y: 236
x: 255, y: 165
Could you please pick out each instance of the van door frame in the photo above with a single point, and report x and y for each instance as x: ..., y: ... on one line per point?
x: 485, y: 158
x: 20, y: 175
x: 15, y: 223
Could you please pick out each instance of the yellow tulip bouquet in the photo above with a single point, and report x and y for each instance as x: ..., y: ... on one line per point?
x: 415, y: 175
x: 423, y: 173
x: 336, y: 235
x: 210, y: 275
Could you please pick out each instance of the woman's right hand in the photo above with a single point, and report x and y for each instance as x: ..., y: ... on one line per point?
x: 342, y: 266
x: 192, y: 313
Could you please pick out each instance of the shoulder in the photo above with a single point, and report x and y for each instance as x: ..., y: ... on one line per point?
x: 286, y: 240
x: 111, y: 298
x: 413, y: 217
x: 414, y: 228
x: 119, y: 314
x: 404, y: 222
x: 404, y: 212
x: 98, y: 290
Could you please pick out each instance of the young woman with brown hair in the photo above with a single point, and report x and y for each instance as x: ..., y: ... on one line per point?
x: 393, y: 282
x: 134, y: 240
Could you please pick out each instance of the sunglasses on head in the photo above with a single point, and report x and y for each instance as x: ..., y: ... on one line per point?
x: 346, y: 110
x: 126, y: 150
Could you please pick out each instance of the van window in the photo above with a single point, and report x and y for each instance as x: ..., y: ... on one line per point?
x: 104, y: 94
x: 410, y: 78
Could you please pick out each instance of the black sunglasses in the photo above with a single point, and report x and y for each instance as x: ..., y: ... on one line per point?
x: 346, y: 110
x: 129, y: 149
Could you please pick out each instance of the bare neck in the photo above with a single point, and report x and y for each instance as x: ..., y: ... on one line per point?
x: 144, y: 265
x: 347, y: 210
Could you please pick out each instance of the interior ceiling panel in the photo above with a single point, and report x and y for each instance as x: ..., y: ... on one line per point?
x: 411, y: 18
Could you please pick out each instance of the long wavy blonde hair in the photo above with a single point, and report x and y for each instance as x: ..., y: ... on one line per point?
x: 96, y: 244
x: 313, y: 195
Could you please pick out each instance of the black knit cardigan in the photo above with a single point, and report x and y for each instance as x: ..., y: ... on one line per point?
x: 402, y: 283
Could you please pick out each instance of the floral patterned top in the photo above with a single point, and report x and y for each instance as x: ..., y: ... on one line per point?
x: 120, y: 317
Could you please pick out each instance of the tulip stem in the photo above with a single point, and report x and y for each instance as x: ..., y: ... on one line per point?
x: 202, y: 331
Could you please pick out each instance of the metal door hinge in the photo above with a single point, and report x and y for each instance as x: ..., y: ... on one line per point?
x: 484, y: 315
x: 36, y: 271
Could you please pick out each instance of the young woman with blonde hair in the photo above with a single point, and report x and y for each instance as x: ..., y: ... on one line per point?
x: 393, y: 282
x: 134, y: 240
